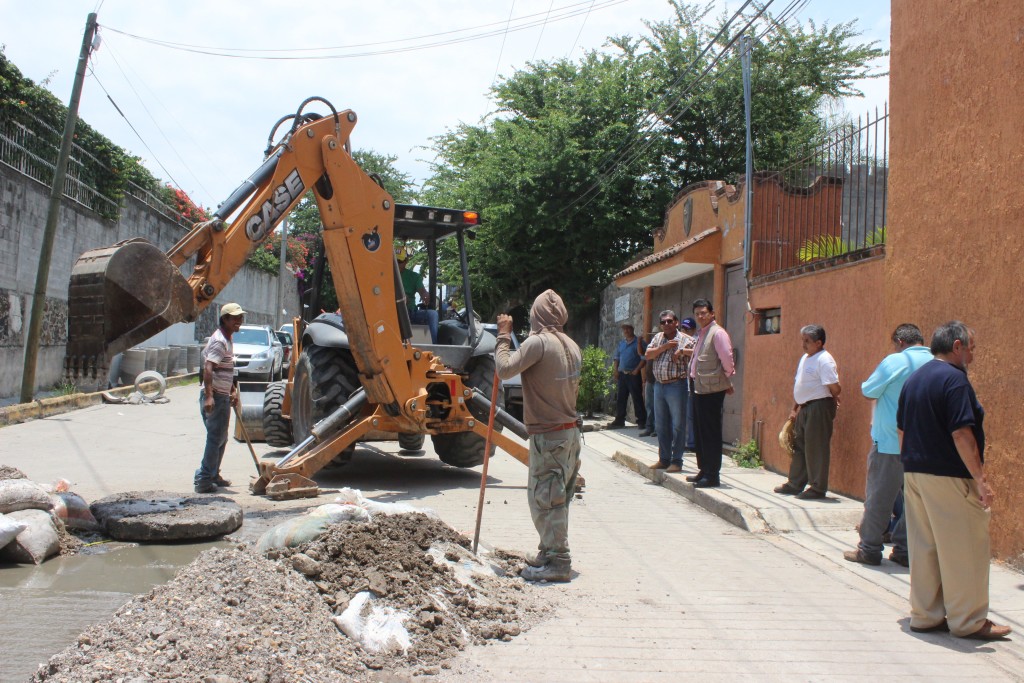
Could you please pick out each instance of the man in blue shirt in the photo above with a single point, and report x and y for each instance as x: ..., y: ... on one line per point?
x: 946, y: 493
x: 885, y: 472
x: 627, y: 368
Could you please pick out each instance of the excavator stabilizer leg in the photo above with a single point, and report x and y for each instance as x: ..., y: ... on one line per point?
x: 120, y: 296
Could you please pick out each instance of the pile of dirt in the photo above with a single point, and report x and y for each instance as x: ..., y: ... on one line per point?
x: 235, y: 616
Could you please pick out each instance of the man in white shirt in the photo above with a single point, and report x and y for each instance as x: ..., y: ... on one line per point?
x: 815, y: 399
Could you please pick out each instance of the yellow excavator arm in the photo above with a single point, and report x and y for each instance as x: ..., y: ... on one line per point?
x: 122, y: 295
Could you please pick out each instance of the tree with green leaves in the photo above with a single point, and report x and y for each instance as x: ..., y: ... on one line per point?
x: 574, y: 169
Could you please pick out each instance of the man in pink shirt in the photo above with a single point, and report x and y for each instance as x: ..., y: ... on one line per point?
x: 711, y: 366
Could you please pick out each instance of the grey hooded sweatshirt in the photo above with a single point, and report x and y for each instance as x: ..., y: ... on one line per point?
x: 549, y: 362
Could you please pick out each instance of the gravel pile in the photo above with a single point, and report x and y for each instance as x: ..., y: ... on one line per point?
x: 235, y: 616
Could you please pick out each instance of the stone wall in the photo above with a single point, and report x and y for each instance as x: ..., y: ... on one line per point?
x: 23, y: 207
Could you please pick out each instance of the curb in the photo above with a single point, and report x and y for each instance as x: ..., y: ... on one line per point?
x: 57, y: 405
x: 717, y: 503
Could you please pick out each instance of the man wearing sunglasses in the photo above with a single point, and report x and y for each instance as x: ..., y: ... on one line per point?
x: 670, y: 391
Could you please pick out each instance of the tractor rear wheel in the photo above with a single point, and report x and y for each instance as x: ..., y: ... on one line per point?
x: 466, y: 449
x: 324, y: 379
x: 276, y: 429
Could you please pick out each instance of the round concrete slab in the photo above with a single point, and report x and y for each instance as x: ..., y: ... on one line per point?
x: 166, y: 516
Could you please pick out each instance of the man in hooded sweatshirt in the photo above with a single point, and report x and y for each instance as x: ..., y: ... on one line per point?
x: 549, y: 363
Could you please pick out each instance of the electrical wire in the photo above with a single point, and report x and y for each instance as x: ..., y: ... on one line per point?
x: 629, y: 152
x: 537, y: 46
x: 117, y: 62
x: 567, y: 12
x: 92, y: 72
x: 777, y: 23
x: 580, y: 32
x: 504, y: 36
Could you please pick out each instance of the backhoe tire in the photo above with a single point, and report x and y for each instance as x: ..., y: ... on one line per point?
x: 324, y: 379
x: 466, y: 449
x: 276, y: 429
x: 411, y: 442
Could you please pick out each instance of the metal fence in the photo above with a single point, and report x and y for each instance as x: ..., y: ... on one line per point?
x: 828, y: 205
x: 30, y: 146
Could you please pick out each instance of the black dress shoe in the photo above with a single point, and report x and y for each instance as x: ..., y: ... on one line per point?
x: 694, y: 478
x: 705, y: 483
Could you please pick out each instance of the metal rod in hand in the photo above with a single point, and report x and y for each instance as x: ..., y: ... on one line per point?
x: 496, y: 385
x: 245, y: 435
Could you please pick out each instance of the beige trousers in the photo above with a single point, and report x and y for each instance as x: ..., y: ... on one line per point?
x: 947, y: 535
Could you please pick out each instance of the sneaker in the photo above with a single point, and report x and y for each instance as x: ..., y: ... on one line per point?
x: 859, y: 556
x: 787, y: 490
x: 555, y: 571
x: 221, y: 481
x: 205, y: 487
x: 899, y: 558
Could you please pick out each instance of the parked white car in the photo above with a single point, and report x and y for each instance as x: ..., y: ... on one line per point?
x: 259, y: 355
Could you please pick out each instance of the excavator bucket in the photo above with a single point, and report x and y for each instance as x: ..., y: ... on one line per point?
x: 120, y: 296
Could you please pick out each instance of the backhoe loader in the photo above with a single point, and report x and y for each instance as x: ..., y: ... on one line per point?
x: 352, y: 372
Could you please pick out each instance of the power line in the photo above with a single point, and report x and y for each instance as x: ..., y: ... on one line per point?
x: 174, y: 150
x: 620, y: 163
x: 92, y: 72
x: 504, y: 36
x: 630, y: 149
x: 541, y: 35
x: 580, y: 32
x: 561, y: 14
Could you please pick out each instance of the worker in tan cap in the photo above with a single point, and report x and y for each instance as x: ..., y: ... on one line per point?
x: 216, y: 397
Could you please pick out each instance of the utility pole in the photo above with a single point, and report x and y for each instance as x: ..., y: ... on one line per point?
x: 746, y: 46
x: 28, y: 378
x: 281, y: 275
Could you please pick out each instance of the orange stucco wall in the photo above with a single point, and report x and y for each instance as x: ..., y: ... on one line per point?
x: 957, y: 210
x: 846, y: 302
x: 714, y: 205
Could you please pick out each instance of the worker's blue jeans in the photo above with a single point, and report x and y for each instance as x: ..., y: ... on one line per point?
x: 216, y: 436
x: 670, y: 417
x: 425, y: 316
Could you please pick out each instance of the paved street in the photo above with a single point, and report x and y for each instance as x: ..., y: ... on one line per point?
x: 665, y: 589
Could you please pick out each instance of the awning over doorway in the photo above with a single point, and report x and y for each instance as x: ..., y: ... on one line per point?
x: 683, y: 260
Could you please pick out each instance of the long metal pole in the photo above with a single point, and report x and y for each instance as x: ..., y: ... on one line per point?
x: 28, y: 377
x: 746, y: 45
x: 282, y: 272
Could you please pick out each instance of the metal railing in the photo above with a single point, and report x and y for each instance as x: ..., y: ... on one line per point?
x: 30, y: 146
x: 828, y: 206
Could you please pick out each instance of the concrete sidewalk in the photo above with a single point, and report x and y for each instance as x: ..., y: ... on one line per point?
x: 826, y: 527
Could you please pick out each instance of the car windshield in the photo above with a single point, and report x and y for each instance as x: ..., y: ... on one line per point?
x: 285, y: 338
x: 287, y: 329
x: 251, y: 336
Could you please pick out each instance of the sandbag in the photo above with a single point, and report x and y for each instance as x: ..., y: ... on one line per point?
x: 37, y: 542
x: 9, y: 529
x: 308, y: 527
x: 72, y: 509
x: 22, y: 494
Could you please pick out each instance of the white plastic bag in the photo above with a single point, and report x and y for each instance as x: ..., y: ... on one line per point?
x: 378, y: 628
x: 9, y: 529
x: 309, y: 526
x: 355, y: 497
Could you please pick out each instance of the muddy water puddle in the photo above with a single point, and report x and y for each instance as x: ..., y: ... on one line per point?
x: 44, y: 608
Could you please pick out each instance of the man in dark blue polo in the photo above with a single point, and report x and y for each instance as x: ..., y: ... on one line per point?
x: 628, y: 368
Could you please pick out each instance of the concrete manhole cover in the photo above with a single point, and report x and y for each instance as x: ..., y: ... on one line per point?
x: 166, y: 516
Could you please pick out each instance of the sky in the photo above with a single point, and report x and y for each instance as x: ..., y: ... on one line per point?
x: 201, y: 121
